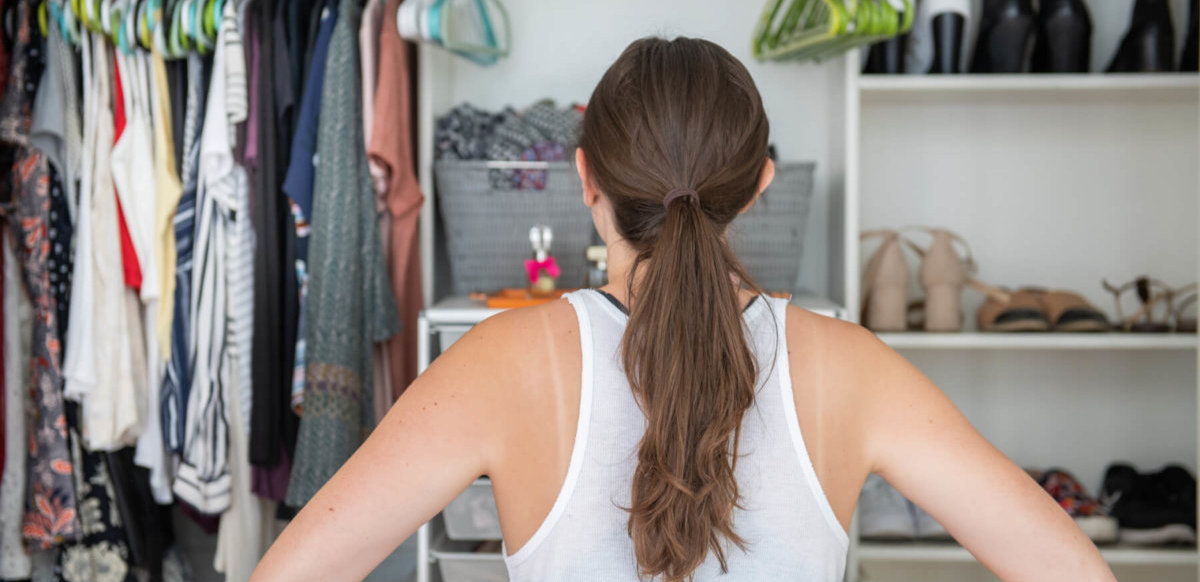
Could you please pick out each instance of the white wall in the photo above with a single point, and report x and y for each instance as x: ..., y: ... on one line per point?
x: 561, y: 49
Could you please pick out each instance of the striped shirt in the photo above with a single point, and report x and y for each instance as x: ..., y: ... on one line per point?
x: 177, y: 381
x: 222, y: 322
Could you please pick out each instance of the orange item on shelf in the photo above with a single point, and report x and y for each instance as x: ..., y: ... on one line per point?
x: 513, y: 298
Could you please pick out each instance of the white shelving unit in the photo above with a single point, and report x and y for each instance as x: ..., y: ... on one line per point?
x: 950, y: 552
x: 1040, y: 341
x: 1144, y: 86
x: 1051, y: 178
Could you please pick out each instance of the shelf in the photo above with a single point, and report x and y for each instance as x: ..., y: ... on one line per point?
x: 1041, y: 341
x: 1155, y: 86
x: 951, y: 552
x: 463, y: 312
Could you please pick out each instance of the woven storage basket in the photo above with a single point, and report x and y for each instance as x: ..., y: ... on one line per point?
x: 487, y: 229
x: 769, y: 238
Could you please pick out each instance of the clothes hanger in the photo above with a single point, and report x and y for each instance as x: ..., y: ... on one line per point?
x: 821, y: 29
x: 142, y: 24
x: 195, y: 25
x: 467, y: 28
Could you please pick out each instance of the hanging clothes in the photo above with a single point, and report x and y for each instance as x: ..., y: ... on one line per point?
x: 111, y: 417
x: 242, y: 536
x: 349, y: 305
x: 151, y: 447
x: 276, y: 294
x: 298, y: 184
x: 18, y: 319
x: 391, y: 152
x: 102, y: 554
x: 51, y: 510
x: 177, y: 381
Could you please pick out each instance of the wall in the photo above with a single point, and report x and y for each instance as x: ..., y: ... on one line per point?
x: 561, y: 49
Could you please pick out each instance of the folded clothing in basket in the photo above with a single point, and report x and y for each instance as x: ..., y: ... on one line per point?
x: 541, y: 132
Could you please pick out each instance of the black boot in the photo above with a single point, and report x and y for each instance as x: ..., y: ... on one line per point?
x: 1188, y: 60
x: 1006, y: 34
x: 1149, y: 44
x: 1064, y: 38
x: 887, y: 57
x: 948, y: 39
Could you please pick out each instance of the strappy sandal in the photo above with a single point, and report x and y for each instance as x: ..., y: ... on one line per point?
x: 1152, y: 293
x: 1011, y: 311
x: 885, y: 283
x: 1070, y: 312
x: 944, y: 272
x: 1185, y: 299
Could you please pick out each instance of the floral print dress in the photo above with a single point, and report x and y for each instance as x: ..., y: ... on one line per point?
x: 50, y: 514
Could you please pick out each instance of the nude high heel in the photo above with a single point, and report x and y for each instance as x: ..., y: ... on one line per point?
x: 944, y: 273
x: 885, y: 284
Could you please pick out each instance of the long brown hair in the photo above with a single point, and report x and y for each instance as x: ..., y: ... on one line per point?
x: 669, y: 115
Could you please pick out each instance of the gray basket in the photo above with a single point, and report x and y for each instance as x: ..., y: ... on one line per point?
x: 487, y: 229
x: 769, y: 238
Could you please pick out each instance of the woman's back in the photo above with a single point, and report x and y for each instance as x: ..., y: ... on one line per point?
x: 790, y: 529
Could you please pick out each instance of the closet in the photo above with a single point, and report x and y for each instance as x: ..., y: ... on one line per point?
x: 1055, y: 180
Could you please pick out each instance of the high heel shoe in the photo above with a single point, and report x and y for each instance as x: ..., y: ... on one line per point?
x: 1189, y: 60
x: 1149, y: 44
x: 1005, y: 33
x: 885, y: 284
x: 943, y: 275
x: 886, y: 57
x: 1064, y: 38
x: 938, y: 41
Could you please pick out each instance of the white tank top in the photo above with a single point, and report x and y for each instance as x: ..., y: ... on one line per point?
x: 790, y: 528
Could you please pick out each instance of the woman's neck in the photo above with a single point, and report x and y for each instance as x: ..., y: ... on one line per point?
x: 620, y: 260
x: 621, y: 257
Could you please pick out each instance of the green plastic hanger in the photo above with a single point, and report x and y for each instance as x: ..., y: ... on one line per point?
x: 822, y: 29
x: 447, y: 28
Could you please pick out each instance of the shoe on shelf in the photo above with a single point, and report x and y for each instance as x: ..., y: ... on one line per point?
x: 1064, y: 37
x: 1088, y: 513
x: 1068, y: 311
x: 938, y: 43
x: 1152, y: 509
x: 1006, y: 32
x: 1185, y: 309
x: 1149, y: 44
x: 885, y: 284
x: 1189, y: 60
x: 944, y: 273
x: 883, y: 512
x: 1012, y: 311
x: 1156, y: 305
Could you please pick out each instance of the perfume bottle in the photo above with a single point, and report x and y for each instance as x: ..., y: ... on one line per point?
x: 597, y: 275
x: 542, y: 269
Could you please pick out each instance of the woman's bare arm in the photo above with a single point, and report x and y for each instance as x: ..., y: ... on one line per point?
x: 920, y: 442
x: 438, y: 438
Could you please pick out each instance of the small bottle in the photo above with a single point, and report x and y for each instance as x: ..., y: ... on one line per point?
x: 597, y: 275
x: 544, y: 283
x: 542, y: 269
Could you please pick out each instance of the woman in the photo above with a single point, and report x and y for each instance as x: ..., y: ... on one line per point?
x: 705, y: 428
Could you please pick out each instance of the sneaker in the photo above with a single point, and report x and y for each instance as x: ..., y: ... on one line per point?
x: 883, y: 512
x: 1152, y: 509
x: 1089, y: 514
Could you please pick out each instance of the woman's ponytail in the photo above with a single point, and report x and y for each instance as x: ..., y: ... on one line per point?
x: 688, y: 362
x: 675, y: 138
